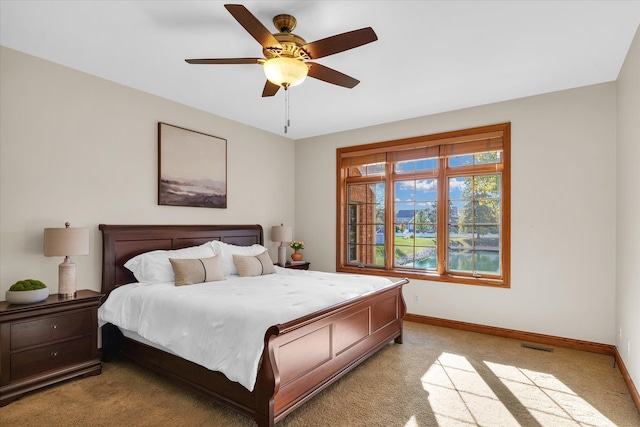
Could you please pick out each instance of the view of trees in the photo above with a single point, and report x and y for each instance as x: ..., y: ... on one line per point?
x: 480, y: 213
x: 426, y: 219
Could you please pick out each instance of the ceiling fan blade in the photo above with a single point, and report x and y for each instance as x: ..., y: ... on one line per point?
x: 253, y: 26
x: 340, y: 43
x: 224, y: 61
x: 329, y: 75
x: 270, y: 89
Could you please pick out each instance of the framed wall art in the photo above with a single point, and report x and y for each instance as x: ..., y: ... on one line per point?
x: 192, y: 168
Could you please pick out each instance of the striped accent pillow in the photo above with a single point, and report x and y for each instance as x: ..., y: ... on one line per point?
x: 254, y: 265
x: 199, y: 270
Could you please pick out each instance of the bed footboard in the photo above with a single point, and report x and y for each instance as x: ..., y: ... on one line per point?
x: 302, y: 358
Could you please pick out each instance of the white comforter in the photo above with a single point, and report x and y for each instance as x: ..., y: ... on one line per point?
x: 221, y: 325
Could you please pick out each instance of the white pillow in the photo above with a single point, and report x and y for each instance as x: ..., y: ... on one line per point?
x: 154, y: 267
x: 227, y: 251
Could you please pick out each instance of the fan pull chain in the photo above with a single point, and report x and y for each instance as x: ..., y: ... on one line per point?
x: 287, y: 122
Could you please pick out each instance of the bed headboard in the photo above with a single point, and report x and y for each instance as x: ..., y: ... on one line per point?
x: 122, y: 242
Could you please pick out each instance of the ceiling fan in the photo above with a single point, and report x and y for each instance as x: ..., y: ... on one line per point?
x: 286, y: 54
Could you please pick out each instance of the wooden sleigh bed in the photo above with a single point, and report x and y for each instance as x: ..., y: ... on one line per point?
x: 300, y: 358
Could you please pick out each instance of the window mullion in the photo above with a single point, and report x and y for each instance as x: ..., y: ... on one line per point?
x: 389, y: 225
x: 443, y: 209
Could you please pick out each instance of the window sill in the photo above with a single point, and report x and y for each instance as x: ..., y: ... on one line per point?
x: 462, y: 280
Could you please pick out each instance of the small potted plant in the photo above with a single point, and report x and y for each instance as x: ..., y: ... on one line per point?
x: 296, y: 246
x: 27, y: 291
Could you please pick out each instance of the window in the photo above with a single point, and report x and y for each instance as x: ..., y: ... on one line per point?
x: 434, y: 207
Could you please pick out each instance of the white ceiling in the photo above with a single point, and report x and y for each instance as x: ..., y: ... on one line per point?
x: 430, y: 57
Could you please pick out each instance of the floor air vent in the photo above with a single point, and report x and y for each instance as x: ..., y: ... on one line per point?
x: 537, y: 347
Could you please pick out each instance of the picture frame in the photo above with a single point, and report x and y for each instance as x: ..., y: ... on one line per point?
x: 192, y: 168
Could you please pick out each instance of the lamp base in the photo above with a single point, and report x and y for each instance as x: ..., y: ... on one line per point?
x: 282, y: 254
x: 67, y: 278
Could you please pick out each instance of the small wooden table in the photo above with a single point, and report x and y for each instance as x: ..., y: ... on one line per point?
x: 47, y: 342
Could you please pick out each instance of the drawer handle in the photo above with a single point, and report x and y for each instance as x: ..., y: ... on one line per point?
x: 54, y: 326
x: 54, y: 354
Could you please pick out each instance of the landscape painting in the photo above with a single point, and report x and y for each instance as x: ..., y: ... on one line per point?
x: 192, y: 168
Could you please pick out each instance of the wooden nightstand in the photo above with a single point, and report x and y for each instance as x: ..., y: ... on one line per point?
x: 304, y: 266
x: 47, y: 342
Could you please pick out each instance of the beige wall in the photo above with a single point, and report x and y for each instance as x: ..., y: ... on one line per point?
x: 78, y: 148
x: 628, y: 213
x: 563, y: 213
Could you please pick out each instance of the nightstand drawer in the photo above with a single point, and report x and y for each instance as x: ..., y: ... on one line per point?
x: 50, y: 329
x: 53, y: 356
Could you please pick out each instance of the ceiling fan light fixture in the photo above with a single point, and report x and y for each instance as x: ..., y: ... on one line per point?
x: 285, y: 72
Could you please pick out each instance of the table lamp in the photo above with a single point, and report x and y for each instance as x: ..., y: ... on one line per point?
x: 66, y: 242
x: 281, y: 233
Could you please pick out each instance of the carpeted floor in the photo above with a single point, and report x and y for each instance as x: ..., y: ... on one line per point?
x: 438, y: 377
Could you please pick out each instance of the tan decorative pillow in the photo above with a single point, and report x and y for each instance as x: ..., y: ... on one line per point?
x: 254, y: 265
x: 199, y: 270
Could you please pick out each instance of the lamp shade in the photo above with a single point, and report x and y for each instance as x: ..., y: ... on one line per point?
x: 66, y: 241
x: 281, y: 233
x: 285, y: 72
